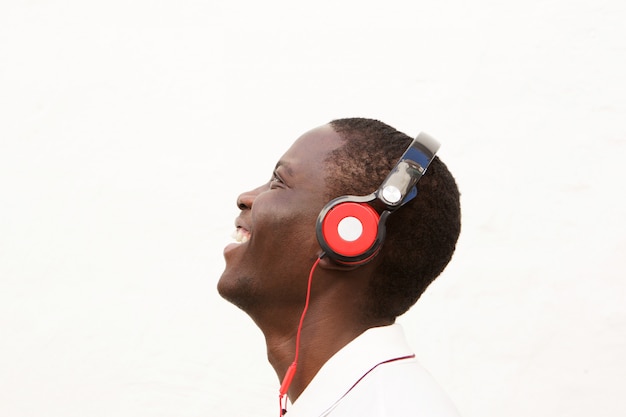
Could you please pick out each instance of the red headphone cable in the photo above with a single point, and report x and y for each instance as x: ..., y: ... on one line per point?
x: 291, y: 371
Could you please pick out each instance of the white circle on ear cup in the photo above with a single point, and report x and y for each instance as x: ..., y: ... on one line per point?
x: 350, y: 229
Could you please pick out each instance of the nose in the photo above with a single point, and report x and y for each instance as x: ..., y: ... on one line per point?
x: 246, y: 199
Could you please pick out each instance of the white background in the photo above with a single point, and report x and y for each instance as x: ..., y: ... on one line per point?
x: 127, y: 129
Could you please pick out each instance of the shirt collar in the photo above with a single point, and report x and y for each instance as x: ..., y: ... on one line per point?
x: 347, y: 366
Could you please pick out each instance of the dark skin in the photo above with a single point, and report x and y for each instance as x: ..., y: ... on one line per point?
x: 267, y: 275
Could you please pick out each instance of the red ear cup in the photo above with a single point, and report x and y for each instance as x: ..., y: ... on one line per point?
x: 350, y: 229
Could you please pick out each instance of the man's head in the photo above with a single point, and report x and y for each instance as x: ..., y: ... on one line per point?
x: 349, y: 156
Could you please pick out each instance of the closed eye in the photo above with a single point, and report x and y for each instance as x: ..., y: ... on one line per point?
x: 276, y: 181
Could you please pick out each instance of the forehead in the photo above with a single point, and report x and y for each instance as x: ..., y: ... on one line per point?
x: 308, y: 153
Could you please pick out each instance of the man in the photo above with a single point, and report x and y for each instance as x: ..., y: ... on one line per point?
x: 352, y: 360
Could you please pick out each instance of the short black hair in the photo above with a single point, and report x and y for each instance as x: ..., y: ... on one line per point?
x: 421, y: 236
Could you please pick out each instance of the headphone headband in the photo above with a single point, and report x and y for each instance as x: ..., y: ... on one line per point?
x: 399, y: 186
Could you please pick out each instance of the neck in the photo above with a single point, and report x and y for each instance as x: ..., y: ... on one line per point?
x: 323, y: 335
x: 333, y: 320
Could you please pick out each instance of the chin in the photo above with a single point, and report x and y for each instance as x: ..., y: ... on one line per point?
x: 238, y: 291
x: 224, y: 285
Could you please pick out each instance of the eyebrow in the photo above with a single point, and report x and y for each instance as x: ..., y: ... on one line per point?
x: 285, y: 165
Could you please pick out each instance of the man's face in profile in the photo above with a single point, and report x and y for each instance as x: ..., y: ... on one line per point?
x: 276, y: 228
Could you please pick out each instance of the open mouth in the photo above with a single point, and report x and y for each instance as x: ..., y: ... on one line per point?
x: 241, y: 235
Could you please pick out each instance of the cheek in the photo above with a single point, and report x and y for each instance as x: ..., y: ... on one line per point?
x: 289, y: 228
x: 285, y: 246
x: 287, y: 214
x: 284, y: 226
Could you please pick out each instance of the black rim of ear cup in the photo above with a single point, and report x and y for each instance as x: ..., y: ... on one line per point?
x: 373, y: 229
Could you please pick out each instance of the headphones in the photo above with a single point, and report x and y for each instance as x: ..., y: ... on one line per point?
x: 351, y: 229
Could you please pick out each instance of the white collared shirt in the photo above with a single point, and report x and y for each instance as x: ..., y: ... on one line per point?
x: 387, y: 382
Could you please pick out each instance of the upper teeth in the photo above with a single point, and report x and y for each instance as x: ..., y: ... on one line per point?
x: 240, y: 235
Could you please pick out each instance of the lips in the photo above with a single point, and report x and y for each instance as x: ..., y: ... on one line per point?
x: 241, y: 235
